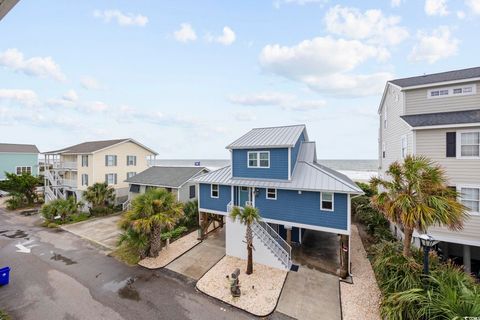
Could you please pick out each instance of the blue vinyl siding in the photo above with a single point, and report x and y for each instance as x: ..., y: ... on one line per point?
x: 278, y: 164
x: 9, y: 162
x: 218, y: 204
x: 295, y: 150
x: 303, y: 208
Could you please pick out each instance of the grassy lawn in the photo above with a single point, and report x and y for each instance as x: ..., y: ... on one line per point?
x: 74, y: 218
x: 126, y: 254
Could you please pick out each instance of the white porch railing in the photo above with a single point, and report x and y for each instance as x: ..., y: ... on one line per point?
x: 280, y: 248
x: 65, y: 165
x: 127, y: 205
x: 72, y: 183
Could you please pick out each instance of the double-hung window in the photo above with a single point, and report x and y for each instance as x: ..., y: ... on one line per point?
x: 258, y: 159
x: 214, y: 191
x: 24, y: 169
x: 130, y: 174
x: 110, y: 160
x: 404, y: 144
x: 271, y: 194
x: 469, y: 144
x: 131, y: 160
x: 111, y: 178
x: 192, y: 192
x: 84, y: 179
x: 470, y: 198
x: 84, y: 160
x: 326, y: 201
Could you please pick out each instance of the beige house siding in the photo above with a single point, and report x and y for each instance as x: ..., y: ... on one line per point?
x: 417, y: 102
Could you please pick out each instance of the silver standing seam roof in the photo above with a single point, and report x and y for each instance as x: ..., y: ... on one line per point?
x: 273, y: 137
x: 172, y: 177
x: 308, y: 175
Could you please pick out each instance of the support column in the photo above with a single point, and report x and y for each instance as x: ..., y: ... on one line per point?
x: 289, y: 234
x: 202, y: 216
x: 344, y: 256
x: 467, y: 264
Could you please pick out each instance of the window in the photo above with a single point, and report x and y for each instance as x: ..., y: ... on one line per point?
x: 258, y: 159
x: 131, y: 160
x: 383, y: 150
x: 85, y: 160
x: 192, y: 192
x: 23, y: 169
x: 470, y: 198
x: 271, y: 194
x: 135, y: 188
x: 452, y: 91
x: 214, y: 191
x: 130, y: 174
x: 84, y: 179
x: 110, y: 160
x: 470, y: 144
x: 385, y: 118
x: 404, y: 146
x: 111, y: 178
x: 326, y: 201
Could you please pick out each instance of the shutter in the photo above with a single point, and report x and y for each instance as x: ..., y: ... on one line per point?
x: 115, y: 160
x: 115, y: 178
x: 451, y: 144
x: 134, y: 160
x: 106, y: 178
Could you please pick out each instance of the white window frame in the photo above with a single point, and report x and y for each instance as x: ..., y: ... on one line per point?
x: 404, y: 146
x: 468, y: 186
x: 113, y: 178
x: 333, y: 201
x: 267, y: 193
x: 211, y: 191
x: 384, y: 152
x: 114, y: 160
x: 84, y: 179
x: 449, y: 91
x: 257, y: 166
x: 23, y: 169
x: 459, y: 144
x: 84, y: 160
x: 131, y: 174
x: 134, y: 162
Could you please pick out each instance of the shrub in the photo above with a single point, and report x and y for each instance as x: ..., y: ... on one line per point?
x: 101, y: 211
x: 190, y: 218
x: 174, y: 234
x: 15, y: 201
x: 61, y: 208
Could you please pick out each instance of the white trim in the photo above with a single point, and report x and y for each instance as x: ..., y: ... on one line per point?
x: 450, y: 91
x: 414, y: 142
x: 403, y: 138
x: 258, y: 159
x: 196, y: 174
x: 211, y: 191
x: 26, y: 171
x: 321, y: 202
x: 307, y: 226
x: 446, y: 126
x: 266, y: 194
x: 289, y: 163
x: 151, y: 185
x: 437, y: 84
x: 223, y: 213
x: 470, y: 186
x: 459, y: 144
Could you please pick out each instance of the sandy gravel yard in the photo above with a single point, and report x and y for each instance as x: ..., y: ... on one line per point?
x: 173, y: 251
x: 259, y: 291
x: 360, y: 300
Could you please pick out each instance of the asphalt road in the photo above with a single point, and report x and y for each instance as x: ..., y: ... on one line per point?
x: 65, y: 277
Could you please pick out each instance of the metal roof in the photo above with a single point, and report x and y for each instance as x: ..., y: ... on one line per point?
x: 442, y: 118
x: 173, y: 177
x: 6, y: 6
x: 273, y: 137
x: 454, y: 75
x: 93, y: 146
x: 308, y: 176
x: 18, y: 148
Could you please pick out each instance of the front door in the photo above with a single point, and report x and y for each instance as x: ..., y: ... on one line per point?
x: 244, y: 195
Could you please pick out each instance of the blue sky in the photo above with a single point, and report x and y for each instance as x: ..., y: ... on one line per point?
x: 186, y: 78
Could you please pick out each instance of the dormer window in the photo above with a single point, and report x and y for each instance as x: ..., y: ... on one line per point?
x: 258, y: 159
x: 452, y: 91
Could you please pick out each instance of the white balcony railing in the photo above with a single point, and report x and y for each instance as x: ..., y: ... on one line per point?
x: 65, y: 165
x: 72, y: 183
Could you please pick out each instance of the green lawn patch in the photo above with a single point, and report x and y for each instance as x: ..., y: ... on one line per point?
x: 126, y: 254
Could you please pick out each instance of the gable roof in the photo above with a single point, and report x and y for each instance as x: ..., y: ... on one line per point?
x: 18, y: 148
x: 94, y: 146
x: 272, y: 137
x: 455, y: 75
x: 172, y: 177
x: 442, y: 118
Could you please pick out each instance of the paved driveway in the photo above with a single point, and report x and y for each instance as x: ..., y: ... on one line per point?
x: 310, y: 294
x: 196, y: 262
x: 102, y: 231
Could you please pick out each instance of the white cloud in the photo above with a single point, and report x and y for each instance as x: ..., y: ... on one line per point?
x: 70, y: 95
x: 434, y: 46
x: 69, y: 99
x: 227, y: 38
x: 277, y: 3
x: 123, y: 19
x: 95, y: 106
x: 283, y: 100
x: 90, y: 83
x: 36, y: 66
x: 325, y: 64
x: 395, y: 3
x: 436, y: 7
x: 22, y: 96
x: 185, y: 33
x: 474, y: 6
x: 370, y: 25
x: 246, y: 116
x: 461, y: 14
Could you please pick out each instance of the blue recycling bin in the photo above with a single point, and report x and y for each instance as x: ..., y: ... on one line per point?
x: 4, y: 276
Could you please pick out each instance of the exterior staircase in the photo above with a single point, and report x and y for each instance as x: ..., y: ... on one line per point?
x: 279, y: 247
x: 52, y: 188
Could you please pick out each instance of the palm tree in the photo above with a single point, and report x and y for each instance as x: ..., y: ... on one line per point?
x: 415, y: 195
x: 151, y: 212
x: 99, y: 194
x: 60, y: 207
x: 247, y: 216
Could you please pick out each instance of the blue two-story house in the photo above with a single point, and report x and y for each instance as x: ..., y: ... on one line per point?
x: 275, y: 170
x: 18, y: 159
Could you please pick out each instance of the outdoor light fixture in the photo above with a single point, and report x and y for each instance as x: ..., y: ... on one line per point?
x: 427, y: 241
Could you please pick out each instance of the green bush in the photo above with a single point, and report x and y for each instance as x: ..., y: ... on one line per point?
x: 4, y: 315
x: 101, y: 211
x: 174, y: 234
x: 15, y: 201
x: 190, y: 217
x: 60, y: 210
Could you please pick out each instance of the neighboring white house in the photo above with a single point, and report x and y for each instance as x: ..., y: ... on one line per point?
x: 69, y: 171
x: 174, y: 179
x: 438, y: 116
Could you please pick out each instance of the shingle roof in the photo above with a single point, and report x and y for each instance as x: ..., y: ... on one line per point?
x: 308, y: 175
x: 454, y: 75
x: 442, y: 118
x: 269, y: 137
x: 173, y: 177
x: 92, y: 146
x: 18, y: 148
